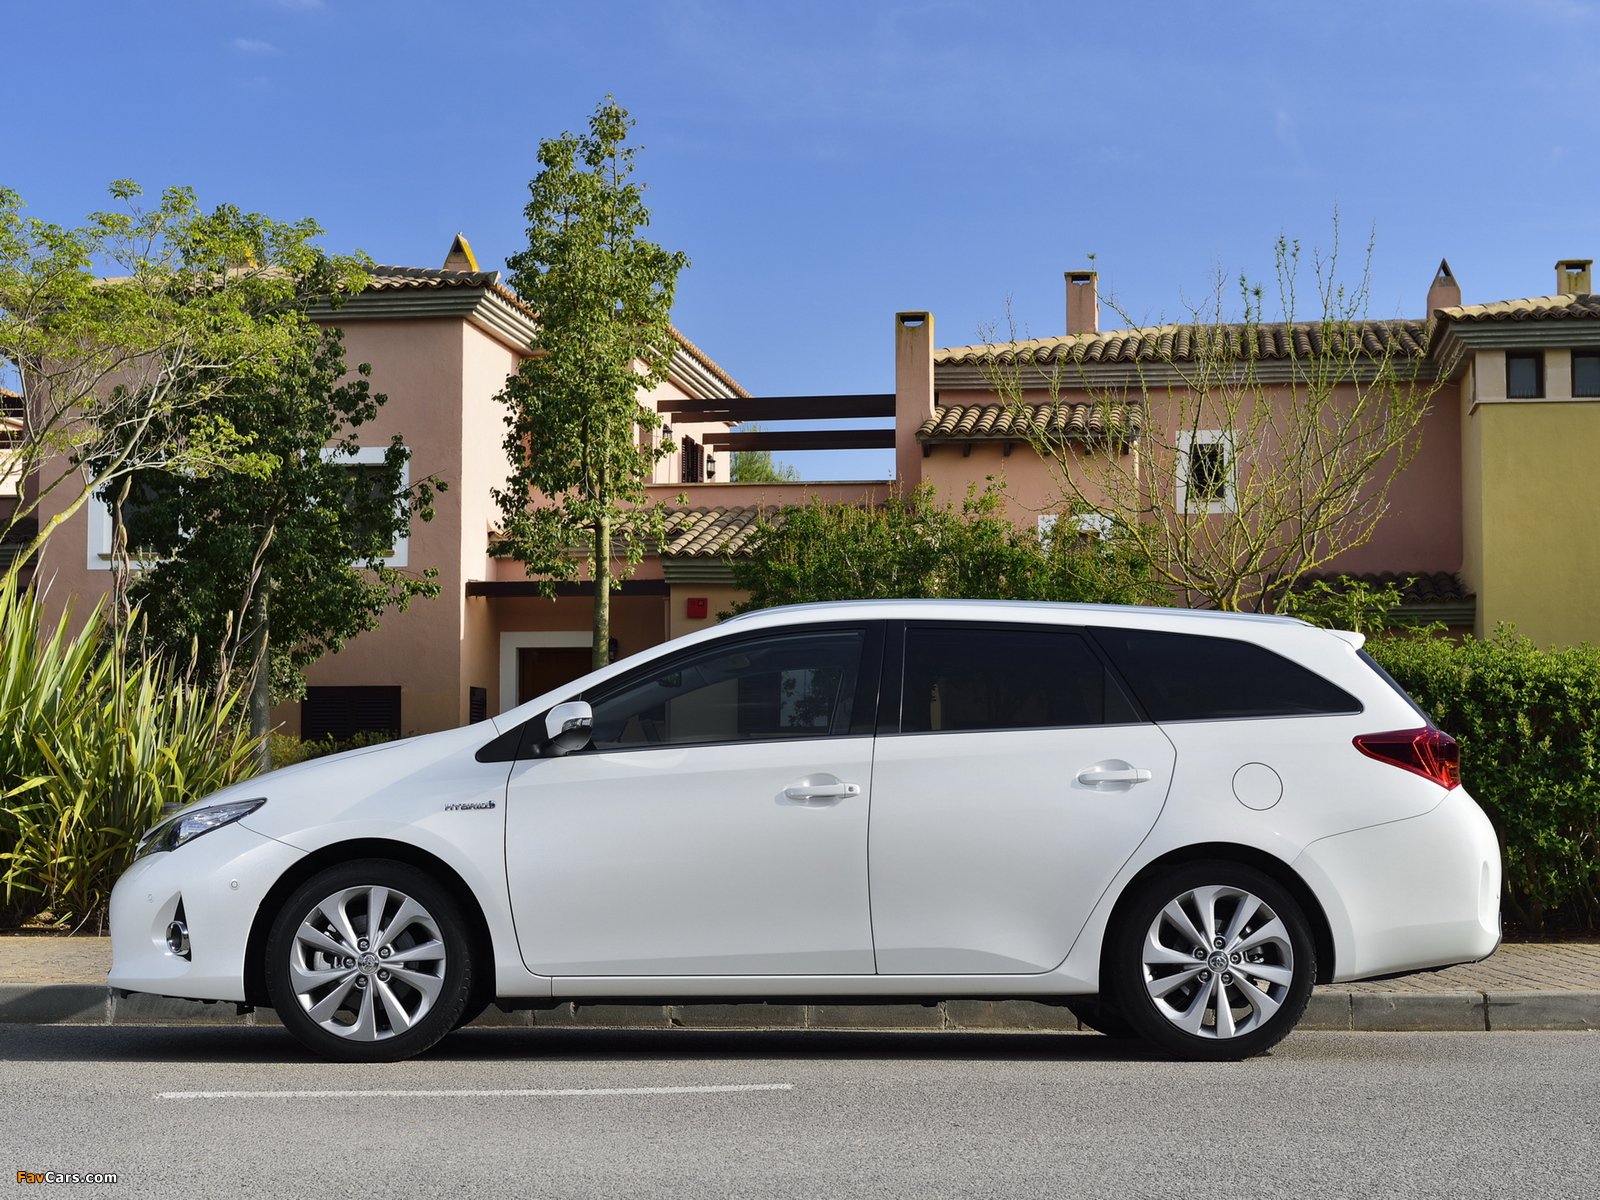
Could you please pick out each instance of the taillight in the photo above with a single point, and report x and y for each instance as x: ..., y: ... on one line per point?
x: 1427, y: 752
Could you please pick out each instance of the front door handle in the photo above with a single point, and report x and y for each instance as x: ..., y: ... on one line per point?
x: 823, y: 789
x: 1113, y: 775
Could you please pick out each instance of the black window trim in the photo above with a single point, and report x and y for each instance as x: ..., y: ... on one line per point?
x: 1537, y: 358
x: 892, y: 715
x: 521, y: 742
x: 1585, y: 354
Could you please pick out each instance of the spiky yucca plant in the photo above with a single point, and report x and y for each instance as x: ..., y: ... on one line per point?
x: 93, y: 748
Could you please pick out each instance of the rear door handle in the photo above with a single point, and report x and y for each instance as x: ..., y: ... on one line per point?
x: 1113, y: 775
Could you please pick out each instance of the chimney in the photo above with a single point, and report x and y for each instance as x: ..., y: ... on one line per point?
x: 1574, y: 277
x: 913, y: 393
x: 1445, y: 292
x: 461, y: 257
x: 1083, y: 302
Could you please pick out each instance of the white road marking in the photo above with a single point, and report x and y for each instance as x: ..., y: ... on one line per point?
x: 395, y: 1094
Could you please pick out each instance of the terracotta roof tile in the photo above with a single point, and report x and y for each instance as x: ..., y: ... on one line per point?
x: 1178, y: 343
x: 1533, y: 308
x: 1093, y: 422
x: 710, y: 532
x: 396, y: 279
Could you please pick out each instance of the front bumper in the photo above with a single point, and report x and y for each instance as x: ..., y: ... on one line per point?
x: 1409, y: 895
x: 220, y: 878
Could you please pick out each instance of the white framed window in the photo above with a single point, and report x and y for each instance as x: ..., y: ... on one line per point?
x: 100, y: 522
x: 101, y: 525
x: 10, y: 470
x: 375, y: 456
x: 1208, y: 473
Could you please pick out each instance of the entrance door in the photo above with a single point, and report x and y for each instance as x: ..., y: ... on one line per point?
x: 542, y: 669
x: 717, y: 824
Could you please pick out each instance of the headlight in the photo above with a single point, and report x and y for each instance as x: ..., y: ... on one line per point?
x: 171, y: 834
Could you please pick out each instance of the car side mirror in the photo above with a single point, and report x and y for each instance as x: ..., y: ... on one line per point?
x: 567, y: 727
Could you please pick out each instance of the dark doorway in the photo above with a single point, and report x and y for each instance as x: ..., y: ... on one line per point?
x: 541, y: 668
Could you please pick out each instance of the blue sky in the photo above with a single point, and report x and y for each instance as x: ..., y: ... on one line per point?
x: 825, y: 165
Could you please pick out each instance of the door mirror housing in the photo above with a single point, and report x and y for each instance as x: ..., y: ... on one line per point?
x: 567, y: 727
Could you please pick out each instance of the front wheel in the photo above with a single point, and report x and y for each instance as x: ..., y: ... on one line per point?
x: 369, y: 961
x: 1212, y: 961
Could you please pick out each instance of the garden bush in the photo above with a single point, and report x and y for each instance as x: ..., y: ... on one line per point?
x: 1528, y: 721
x: 93, y: 749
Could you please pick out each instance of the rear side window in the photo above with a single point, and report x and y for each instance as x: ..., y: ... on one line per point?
x: 1186, y: 677
x: 965, y: 677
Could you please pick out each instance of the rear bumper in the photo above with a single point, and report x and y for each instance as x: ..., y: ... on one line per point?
x: 1409, y: 895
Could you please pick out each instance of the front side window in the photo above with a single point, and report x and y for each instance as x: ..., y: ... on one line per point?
x: 1186, y: 677
x: 1524, y: 375
x: 797, y: 685
x: 1207, y: 472
x: 965, y: 677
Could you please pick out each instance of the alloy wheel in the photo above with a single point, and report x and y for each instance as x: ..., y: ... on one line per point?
x: 367, y: 963
x: 1218, y: 962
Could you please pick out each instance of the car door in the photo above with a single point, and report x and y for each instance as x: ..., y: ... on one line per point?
x: 1011, y: 782
x: 717, y: 822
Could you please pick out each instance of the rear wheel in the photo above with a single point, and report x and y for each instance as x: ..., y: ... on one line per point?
x: 369, y: 961
x: 1212, y: 961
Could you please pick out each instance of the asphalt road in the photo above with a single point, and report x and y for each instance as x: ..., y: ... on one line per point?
x: 685, y: 1114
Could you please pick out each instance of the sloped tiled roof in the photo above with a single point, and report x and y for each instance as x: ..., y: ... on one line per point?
x: 1416, y: 587
x: 1093, y: 422
x: 709, y: 532
x: 1533, y: 308
x: 1178, y: 343
x: 398, y: 279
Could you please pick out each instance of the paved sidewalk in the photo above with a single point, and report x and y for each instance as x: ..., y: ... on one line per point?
x: 1522, y: 986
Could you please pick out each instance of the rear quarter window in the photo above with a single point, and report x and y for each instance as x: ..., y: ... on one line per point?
x: 1190, y: 677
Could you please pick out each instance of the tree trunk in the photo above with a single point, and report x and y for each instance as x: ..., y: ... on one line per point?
x: 602, y: 593
x: 260, y: 672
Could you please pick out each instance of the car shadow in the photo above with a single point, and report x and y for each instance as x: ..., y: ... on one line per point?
x: 273, y: 1045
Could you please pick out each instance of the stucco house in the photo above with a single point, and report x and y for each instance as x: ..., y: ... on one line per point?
x: 1494, y: 520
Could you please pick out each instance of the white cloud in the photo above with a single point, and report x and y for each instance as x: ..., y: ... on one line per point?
x: 253, y: 46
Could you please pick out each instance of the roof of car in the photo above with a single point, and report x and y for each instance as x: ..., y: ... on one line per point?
x: 989, y: 610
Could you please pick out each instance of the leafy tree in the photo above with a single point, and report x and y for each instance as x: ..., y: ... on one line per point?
x: 1312, y: 433
x: 199, y: 303
x: 271, y: 569
x: 757, y: 466
x: 580, y: 443
x: 913, y: 547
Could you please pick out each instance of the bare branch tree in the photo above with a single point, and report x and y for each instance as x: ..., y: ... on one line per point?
x: 1264, y: 450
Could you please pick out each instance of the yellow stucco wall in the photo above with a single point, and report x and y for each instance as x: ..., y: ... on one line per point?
x: 1537, y: 557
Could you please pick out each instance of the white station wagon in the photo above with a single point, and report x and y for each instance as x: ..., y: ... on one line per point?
x: 1172, y: 822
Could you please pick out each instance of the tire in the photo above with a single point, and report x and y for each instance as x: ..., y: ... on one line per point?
x: 1169, y: 995
x: 1094, y: 1013
x: 386, y: 997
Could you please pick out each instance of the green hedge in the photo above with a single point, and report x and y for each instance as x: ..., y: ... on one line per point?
x: 1528, y: 721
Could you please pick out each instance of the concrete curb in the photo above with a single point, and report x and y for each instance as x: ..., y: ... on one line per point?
x: 1330, y: 1009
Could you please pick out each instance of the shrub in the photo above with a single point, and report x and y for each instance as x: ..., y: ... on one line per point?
x: 913, y: 547
x: 1528, y: 721
x: 287, y: 750
x: 92, y: 750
